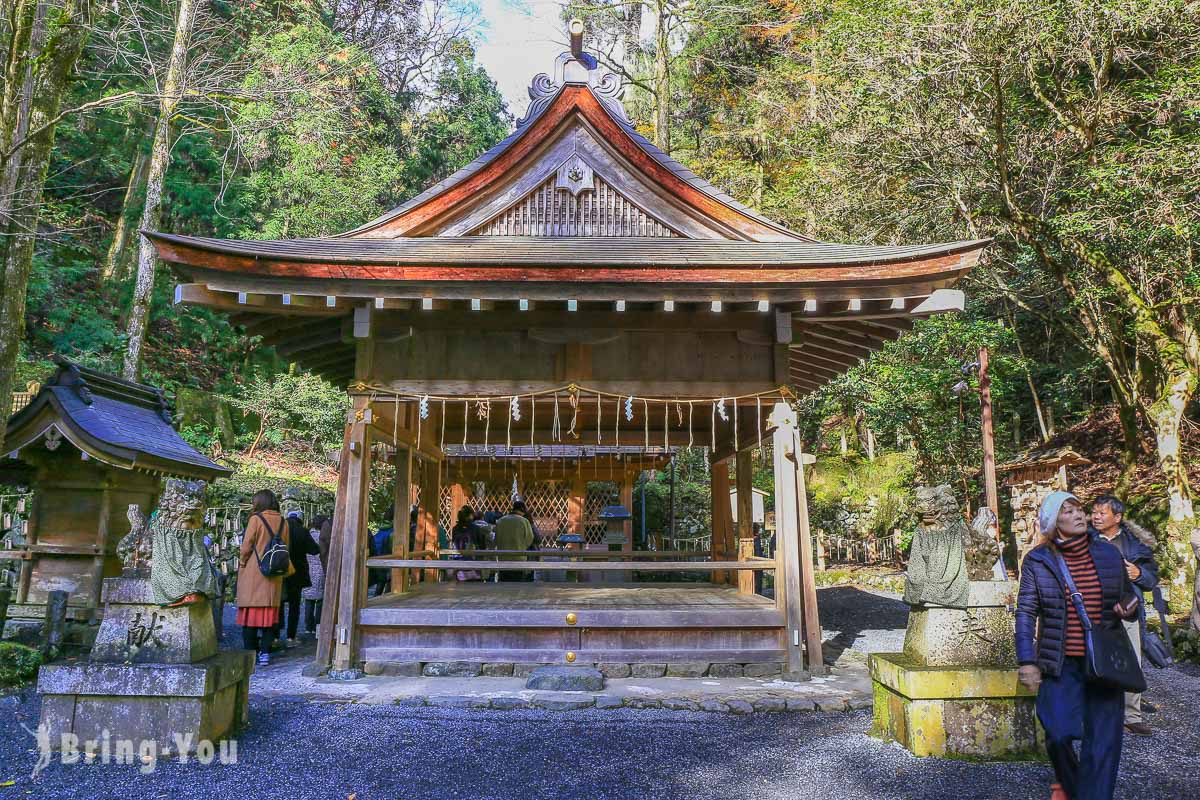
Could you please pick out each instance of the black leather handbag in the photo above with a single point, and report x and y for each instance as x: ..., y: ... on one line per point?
x: 1110, y: 661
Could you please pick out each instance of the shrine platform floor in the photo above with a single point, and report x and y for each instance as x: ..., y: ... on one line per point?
x: 544, y: 621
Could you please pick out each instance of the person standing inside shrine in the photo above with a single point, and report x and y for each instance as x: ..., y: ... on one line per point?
x: 513, y: 532
x: 1051, y: 647
x: 300, y: 547
x: 1135, y: 543
x: 258, y: 596
x: 313, y: 596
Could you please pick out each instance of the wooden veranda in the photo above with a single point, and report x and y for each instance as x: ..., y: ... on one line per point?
x: 574, y: 285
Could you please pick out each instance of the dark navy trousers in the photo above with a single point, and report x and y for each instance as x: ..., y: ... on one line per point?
x: 1070, y: 709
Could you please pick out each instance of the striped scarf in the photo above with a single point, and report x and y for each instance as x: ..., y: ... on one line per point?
x: 1076, y: 551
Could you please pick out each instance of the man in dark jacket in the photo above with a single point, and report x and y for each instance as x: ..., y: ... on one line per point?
x: 300, y: 546
x: 1135, y: 544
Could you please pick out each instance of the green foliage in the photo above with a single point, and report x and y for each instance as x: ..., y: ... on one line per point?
x: 852, y: 496
x: 249, y: 478
x: 1187, y: 644
x: 204, y: 438
x: 18, y: 664
x: 296, y: 409
x: 905, y: 392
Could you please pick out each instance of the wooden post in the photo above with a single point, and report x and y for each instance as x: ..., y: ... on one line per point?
x: 789, y: 519
x: 989, y: 456
x: 745, y: 520
x: 5, y: 597
x: 55, y: 632
x: 400, y: 504
x: 627, y: 501
x: 576, y: 500
x: 808, y: 583
x: 349, y: 537
x: 722, y: 518
x: 427, y: 530
x: 327, y: 627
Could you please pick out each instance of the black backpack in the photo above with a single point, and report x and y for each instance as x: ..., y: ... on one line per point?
x: 274, y: 561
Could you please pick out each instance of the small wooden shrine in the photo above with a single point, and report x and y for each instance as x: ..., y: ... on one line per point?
x: 1029, y: 478
x: 572, y: 285
x: 95, y: 444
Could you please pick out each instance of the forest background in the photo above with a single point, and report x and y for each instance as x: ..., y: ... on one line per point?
x: 1067, y: 130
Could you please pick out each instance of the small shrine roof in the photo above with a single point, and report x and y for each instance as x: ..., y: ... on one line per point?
x: 115, y: 421
x: 1048, y: 458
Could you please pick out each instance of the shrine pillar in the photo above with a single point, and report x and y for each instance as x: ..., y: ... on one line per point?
x: 722, y: 519
x: 346, y: 580
x: 795, y: 587
x: 745, y: 518
x: 401, y: 501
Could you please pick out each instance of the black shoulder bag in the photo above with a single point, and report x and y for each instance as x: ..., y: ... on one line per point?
x: 1110, y: 660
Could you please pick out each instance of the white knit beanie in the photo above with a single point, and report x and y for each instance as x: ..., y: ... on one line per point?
x: 1048, y: 514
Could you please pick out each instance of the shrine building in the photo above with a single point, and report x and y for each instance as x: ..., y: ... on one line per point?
x: 571, y: 307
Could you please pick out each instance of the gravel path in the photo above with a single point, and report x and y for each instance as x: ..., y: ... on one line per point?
x: 298, y: 750
x: 857, y: 620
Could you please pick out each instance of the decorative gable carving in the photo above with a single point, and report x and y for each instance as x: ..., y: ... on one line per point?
x: 574, y: 204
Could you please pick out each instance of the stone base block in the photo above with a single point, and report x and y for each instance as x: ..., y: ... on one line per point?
x: 160, y: 702
x: 135, y: 630
x: 971, y: 712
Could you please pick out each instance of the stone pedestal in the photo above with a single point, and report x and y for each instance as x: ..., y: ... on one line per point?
x: 155, y: 673
x: 954, y: 690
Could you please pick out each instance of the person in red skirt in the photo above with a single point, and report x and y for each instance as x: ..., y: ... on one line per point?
x: 257, y: 595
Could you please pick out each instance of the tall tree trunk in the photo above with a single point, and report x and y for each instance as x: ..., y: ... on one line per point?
x: 115, y: 262
x: 662, y: 78
x: 42, y: 55
x: 160, y: 156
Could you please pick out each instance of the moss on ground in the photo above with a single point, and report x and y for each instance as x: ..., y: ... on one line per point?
x: 18, y: 664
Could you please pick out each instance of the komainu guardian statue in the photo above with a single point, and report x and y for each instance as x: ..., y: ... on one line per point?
x: 171, y: 544
x: 946, y: 552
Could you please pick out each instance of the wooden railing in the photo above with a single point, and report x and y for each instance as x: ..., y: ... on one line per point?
x: 599, y: 566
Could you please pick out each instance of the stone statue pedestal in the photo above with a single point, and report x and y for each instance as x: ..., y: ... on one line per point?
x: 154, y: 674
x: 954, y: 690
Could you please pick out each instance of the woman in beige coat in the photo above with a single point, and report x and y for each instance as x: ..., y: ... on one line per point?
x: 257, y: 595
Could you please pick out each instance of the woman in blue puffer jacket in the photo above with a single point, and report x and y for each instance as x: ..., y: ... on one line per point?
x: 1050, y: 647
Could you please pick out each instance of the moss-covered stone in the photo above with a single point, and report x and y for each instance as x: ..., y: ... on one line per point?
x: 968, y: 712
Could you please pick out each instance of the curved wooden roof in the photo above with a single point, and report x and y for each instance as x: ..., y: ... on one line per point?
x: 415, y: 217
x: 492, y: 258
x: 574, y: 167
x: 109, y: 419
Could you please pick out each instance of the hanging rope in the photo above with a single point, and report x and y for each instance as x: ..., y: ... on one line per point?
x: 646, y: 414
x: 574, y: 398
x: 691, y: 431
x: 556, y: 425
x: 714, y: 427
x: 442, y: 438
x: 617, y: 435
x: 735, y: 430
x: 466, y: 416
x: 512, y: 411
x: 758, y: 408
x: 532, y: 419
x: 363, y: 387
x: 598, y: 415
x: 666, y: 426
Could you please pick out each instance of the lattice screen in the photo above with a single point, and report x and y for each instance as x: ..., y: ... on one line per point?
x: 547, y: 503
x: 548, y: 211
x: 599, y: 495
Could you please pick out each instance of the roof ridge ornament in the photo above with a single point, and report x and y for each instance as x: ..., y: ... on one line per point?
x: 576, y: 67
